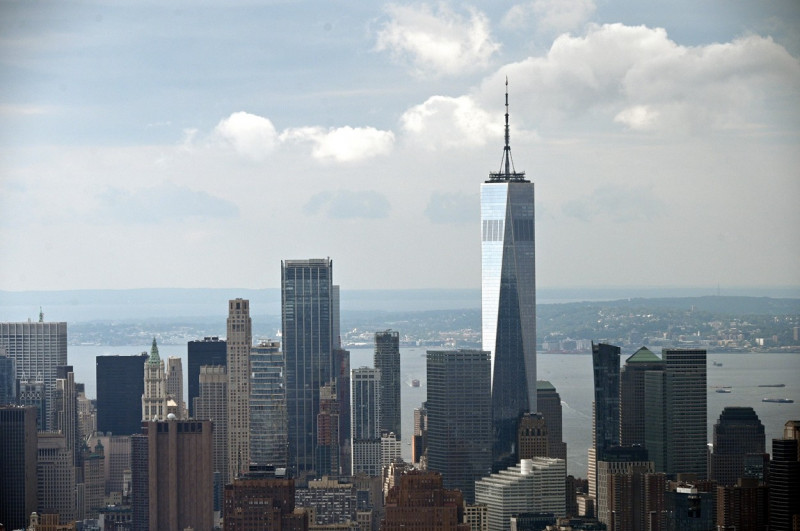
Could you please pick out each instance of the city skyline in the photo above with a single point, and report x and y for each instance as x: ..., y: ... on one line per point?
x: 638, y: 125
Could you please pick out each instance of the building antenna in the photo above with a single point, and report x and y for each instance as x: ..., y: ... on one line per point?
x: 41, y: 315
x: 507, y: 171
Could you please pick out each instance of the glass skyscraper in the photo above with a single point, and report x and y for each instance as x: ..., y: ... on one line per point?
x: 267, y: 405
x: 308, y: 316
x: 508, y: 290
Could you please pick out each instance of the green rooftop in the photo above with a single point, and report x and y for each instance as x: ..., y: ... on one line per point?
x: 644, y: 355
x: 544, y: 385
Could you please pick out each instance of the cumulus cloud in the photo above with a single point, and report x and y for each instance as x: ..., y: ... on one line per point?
x: 550, y: 16
x: 250, y: 135
x: 645, y: 81
x: 166, y: 202
x: 343, y: 144
x: 348, y: 204
x: 452, y: 208
x: 438, y: 40
x: 446, y: 122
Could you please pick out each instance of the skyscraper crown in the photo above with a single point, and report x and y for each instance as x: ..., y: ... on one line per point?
x: 507, y: 171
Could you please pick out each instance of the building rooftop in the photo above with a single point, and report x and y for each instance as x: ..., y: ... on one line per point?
x: 643, y: 355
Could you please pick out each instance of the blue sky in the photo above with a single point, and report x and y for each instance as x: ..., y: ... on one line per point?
x: 196, y: 144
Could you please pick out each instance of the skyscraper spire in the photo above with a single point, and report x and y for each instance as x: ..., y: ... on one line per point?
x: 507, y: 171
x: 154, y: 357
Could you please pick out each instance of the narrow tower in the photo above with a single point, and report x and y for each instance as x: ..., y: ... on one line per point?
x: 508, y: 291
x: 154, y: 399
x: 240, y: 339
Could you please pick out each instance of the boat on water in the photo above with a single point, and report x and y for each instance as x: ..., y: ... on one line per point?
x: 772, y: 385
x: 724, y: 390
x: 778, y: 400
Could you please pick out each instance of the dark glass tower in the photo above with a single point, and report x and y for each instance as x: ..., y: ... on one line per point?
x: 737, y: 433
x: 459, y: 417
x: 307, y: 324
x: 387, y: 359
x: 632, y: 396
x: 508, y: 292
x: 605, y: 360
x: 208, y: 351
x: 120, y: 386
x: 784, y: 484
x: 18, y: 457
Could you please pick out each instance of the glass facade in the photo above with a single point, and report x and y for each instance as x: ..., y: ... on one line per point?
x: 307, y: 327
x: 508, y: 291
x: 267, y: 405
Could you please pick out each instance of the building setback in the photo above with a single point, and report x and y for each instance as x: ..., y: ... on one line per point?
x: 120, y: 386
x: 459, y: 418
x: 508, y: 292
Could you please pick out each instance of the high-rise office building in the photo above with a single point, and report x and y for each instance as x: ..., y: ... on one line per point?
x: 365, y: 416
x: 605, y: 362
x: 37, y: 348
x: 65, y: 411
x: 328, y: 425
x: 676, y: 413
x: 154, y: 398
x: 175, y: 384
x: 120, y: 386
x: 387, y: 359
x: 267, y: 405
x: 632, y: 396
x: 172, y: 476
x: 34, y: 394
x: 55, y: 474
x: 459, y: 417
x: 508, y: 291
x: 533, y: 486
x: 687, y: 411
x: 549, y: 403
x: 737, y: 433
x: 8, y: 379
x: 307, y: 318
x: 240, y: 341
x: 784, y: 481
x: 207, y: 351
x: 212, y: 404
x: 533, y: 439
x: 18, y: 457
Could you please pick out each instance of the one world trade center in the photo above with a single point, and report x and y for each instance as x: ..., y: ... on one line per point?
x: 508, y: 292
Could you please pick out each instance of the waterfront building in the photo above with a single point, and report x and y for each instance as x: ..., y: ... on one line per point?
x: 535, y: 485
x: 239, y: 343
x: 459, y: 421
x: 387, y: 359
x: 421, y: 502
x: 307, y: 318
x: 37, y: 348
x: 154, y: 398
x: 18, y: 462
x: 172, y: 475
x: 365, y: 417
x: 737, y: 433
x: 549, y: 404
x: 175, y: 384
x: 508, y: 292
x: 267, y: 405
x: 632, y: 395
x: 120, y: 386
x: 55, y: 473
x: 212, y: 404
x: 210, y: 350
x: 605, y: 362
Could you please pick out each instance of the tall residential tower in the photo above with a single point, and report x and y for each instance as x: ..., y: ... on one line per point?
x: 240, y: 340
x: 508, y: 291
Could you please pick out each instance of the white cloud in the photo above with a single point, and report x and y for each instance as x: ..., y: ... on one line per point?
x: 550, y: 16
x: 437, y: 41
x: 250, y: 135
x: 348, y: 204
x: 638, y: 77
x: 445, y: 122
x: 343, y: 144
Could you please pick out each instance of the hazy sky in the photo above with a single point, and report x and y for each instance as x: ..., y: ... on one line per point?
x: 198, y: 143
